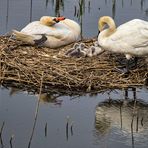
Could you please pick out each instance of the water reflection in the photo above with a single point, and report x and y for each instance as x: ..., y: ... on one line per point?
x: 73, y: 121
x: 113, y: 8
x: 7, y: 14
x: 79, y: 12
x: 146, y: 12
x: 46, y: 97
x: 30, y: 11
x: 71, y: 8
x: 131, y: 2
x: 1, y: 133
x: 142, y: 4
x: 50, y: 98
x: 128, y: 117
x: 58, y: 6
x: 124, y: 121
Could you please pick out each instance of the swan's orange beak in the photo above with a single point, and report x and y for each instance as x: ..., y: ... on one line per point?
x: 58, y: 19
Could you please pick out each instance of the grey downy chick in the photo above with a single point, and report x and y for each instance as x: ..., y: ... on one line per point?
x: 78, y: 50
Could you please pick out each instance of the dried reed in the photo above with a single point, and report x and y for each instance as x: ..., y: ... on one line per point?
x: 22, y: 66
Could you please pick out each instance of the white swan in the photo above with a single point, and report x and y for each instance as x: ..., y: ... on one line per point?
x: 51, y: 32
x: 130, y: 38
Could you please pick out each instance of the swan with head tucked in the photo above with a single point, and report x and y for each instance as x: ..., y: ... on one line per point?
x: 130, y: 38
x: 52, y: 32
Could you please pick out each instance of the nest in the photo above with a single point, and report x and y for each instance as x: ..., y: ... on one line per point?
x: 24, y: 66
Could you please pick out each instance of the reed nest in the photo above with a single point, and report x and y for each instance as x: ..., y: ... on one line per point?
x: 23, y: 65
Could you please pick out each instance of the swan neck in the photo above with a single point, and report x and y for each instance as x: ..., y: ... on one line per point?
x: 110, y: 23
x: 111, y: 29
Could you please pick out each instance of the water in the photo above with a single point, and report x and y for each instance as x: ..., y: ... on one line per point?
x: 94, y: 121
x: 15, y: 14
x: 88, y: 129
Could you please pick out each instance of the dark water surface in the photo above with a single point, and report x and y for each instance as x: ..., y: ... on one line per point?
x: 107, y: 120
x: 102, y: 120
x: 15, y: 14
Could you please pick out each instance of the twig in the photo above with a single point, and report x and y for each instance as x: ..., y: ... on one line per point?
x: 67, y: 126
x: 36, y: 112
x: 46, y: 129
x: 11, y: 146
x: 71, y: 128
x: 1, y: 130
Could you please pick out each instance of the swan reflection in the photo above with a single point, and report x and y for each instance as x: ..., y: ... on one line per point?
x: 125, y: 117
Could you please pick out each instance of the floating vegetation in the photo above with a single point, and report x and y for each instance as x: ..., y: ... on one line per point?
x: 23, y: 66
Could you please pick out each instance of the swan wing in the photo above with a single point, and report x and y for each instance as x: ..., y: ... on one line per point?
x: 133, y: 34
x: 36, y: 28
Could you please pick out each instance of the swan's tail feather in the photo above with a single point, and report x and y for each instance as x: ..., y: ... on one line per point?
x: 23, y: 37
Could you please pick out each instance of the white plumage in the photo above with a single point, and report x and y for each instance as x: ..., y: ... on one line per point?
x: 54, y: 34
x: 130, y: 38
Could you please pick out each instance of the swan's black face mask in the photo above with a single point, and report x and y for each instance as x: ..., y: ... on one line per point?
x: 56, y: 20
x: 105, y: 27
x: 98, y: 32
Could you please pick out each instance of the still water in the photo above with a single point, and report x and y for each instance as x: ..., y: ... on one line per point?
x: 106, y: 120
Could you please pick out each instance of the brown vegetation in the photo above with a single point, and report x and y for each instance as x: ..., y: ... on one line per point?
x: 23, y: 65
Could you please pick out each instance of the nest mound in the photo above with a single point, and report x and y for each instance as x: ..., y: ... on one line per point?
x: 24, y: 66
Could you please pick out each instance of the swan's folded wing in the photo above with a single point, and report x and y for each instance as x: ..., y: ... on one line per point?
x: 35, y: 28
x: 133, y: 34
